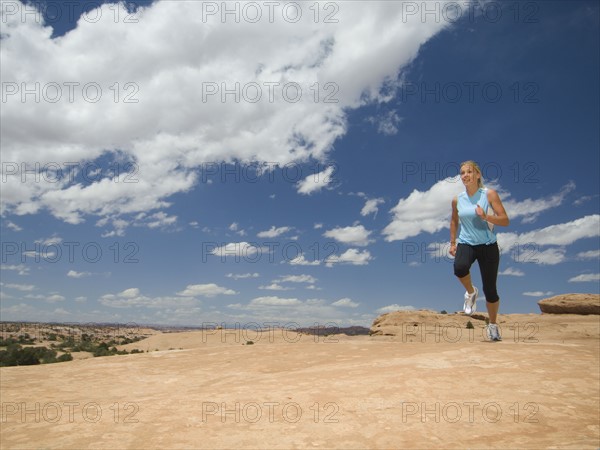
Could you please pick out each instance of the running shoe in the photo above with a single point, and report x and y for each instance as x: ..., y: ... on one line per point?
x: 470, y: 305
x: 493, y: 332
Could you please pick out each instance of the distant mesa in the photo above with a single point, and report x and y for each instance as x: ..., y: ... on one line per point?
x: 583, y: 304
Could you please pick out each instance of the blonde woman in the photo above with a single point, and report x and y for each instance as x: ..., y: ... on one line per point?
x: 477, y: 210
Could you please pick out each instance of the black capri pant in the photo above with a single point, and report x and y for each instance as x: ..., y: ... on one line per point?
x: 488, y: 258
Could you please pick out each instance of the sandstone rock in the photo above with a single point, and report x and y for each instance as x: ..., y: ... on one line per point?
x: 571, y: 304
x: 392, y: 323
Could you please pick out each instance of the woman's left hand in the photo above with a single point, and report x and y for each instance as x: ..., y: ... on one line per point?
x: 480, y: 213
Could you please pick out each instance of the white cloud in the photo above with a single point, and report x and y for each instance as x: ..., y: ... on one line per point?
x: 75, y: 274
x: 141, y: 301
x: 371, y: 206
x: 352, y: 256
x: 273, y: 232
x: 172, y: 110
x: 538, y: 293
x: 53, y: 240
x: 52, y: 298
x: 387, y: 124
x: 205, y: 290
x: 353, y: 235
x: 394, y: 307
x: 591, y: 254
x: 511, y: 271
x: 13, y: 226
x: 301, y: 261
x: 529, y: 247
x: 21, y: 269
x: 529, y: 209
x: 129, y: 293
x: 298, y: 279
x: 315, y: 182
x: 19, y: 287
x: 237, y: 250
x: 273, y: 301
x: 420, y: 212
x: 585, y: 278
x: 275, y: 287
x: 346, y: 302
x: 242, y: 276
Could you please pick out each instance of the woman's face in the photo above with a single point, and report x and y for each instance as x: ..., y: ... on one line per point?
x: 469, y: 175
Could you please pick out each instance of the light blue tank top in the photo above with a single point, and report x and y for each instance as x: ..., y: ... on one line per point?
x: 474, y: 230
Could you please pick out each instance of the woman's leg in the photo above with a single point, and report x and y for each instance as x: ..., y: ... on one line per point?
x: 489, y: 260
x: 464, y: 259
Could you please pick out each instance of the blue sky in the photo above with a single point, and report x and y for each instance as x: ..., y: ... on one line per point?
x: 167, y: 163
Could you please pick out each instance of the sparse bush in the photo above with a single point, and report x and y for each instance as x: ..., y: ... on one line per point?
x: 443, y: 311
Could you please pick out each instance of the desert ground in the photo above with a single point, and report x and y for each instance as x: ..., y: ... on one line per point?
x: 424, y: 382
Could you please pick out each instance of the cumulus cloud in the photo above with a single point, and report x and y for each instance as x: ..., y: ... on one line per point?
x: 371, y: 206
x: 387, y: 123
x: 205, y: 290
x: 585, y: 278
x: 316, y: 182
x: 242, y: 276
x: 529, y: 209
x: 273, y: 232
x: 298, y: 279
x: 394, y: 307
x: 511, y: 271
x: 353, y: 235
x: 273, y: 301
x: 170, y: 117
x: 133, y: 297
x: 275, y: 287
x: 427, y: 211
x: 352, y: 256
x: 548, y: 245
x: 75, y: 274
x: 21, y: 269
x: 19, y: 287
x: 300, y: 260
x: 538, y: 293
x: 346, y: 302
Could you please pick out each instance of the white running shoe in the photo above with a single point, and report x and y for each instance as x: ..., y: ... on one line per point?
x: 493, y: 332
x: 470, y: 305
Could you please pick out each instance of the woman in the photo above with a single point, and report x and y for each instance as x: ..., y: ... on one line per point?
x: 477, y: 241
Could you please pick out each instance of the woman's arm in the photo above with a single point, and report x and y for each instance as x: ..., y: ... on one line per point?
x: 453, y: 227
x: 500, y: 217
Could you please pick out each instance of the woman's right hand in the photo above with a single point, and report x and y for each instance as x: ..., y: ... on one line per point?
x: 452, y: 249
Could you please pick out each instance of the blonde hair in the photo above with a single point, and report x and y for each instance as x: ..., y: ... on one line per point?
x: 477, y: 169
